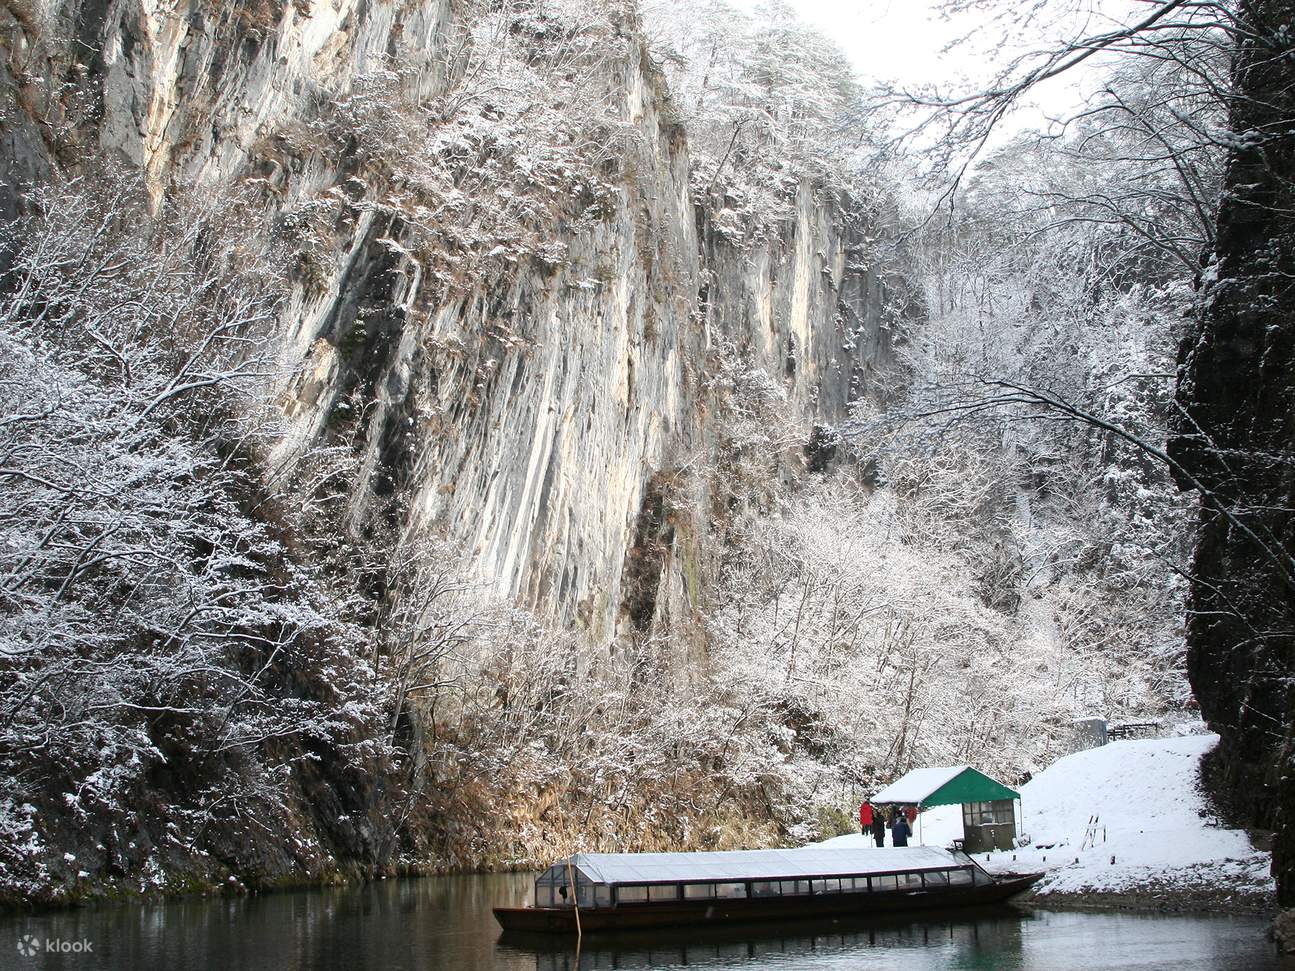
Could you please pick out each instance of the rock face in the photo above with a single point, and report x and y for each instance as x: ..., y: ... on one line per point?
x: 580, y: 367
x: 539, y: 449
x: 1233, y: 441
x: 189, y: 91
x: 533, y: 415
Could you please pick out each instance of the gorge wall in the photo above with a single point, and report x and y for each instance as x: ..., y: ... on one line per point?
x: 534, y: 332
x: 1232, y: 442
x: 525, y: 410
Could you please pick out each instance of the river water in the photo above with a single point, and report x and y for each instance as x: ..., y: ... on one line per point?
x: 445, y: 924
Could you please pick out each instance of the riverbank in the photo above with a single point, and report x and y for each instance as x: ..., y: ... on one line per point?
x: 1257, y: 899
x: 1122, y: 827
x: 1125, y: 827
x: 1156, y: 900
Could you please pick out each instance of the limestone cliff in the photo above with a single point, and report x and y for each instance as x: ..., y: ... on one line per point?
x: 526, y: 412
x: 508, y: 299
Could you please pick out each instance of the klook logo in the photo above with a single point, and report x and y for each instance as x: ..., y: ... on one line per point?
x: 29, y: 945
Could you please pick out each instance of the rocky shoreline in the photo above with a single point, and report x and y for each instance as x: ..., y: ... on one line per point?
x: 1157, y: 899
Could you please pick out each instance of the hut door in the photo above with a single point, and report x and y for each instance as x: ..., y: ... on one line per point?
x: 988, y: 826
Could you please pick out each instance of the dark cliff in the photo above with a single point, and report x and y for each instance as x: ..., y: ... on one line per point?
x: 1233, y: 441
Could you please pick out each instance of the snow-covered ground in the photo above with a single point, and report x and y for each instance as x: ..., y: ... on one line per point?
x: 1136, y: 803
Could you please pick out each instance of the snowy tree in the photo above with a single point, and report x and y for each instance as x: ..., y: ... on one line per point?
x: 766, y: 100
x: 150, y: 608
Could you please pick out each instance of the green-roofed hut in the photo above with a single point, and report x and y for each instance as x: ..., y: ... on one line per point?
x: 988, y: 806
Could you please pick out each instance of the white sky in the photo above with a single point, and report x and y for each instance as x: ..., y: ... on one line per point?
x: 903, y: 41
x: 888, y: 39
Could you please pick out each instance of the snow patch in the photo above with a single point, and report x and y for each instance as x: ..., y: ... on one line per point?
x: 1126, y: 817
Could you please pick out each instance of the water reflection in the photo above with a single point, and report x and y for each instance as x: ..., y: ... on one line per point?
x: 994, y: 931
x: 445, y: 924
x: 1004, y: 939
x: 428, y: 924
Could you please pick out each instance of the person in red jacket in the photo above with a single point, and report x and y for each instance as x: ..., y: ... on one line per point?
x: 865, y: 817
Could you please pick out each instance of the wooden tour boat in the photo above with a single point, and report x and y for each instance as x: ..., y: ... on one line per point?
x: 614, y: 891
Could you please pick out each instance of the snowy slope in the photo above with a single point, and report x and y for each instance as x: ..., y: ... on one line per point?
x: 1149, y: 816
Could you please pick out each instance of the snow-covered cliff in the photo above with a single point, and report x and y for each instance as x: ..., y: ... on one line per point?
x: 524, y: 406
x: 515, y: 329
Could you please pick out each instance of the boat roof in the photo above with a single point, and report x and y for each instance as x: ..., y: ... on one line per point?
x: 759, y: 864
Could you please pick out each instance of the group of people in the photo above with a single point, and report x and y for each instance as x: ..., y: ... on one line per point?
x: 875, y: 820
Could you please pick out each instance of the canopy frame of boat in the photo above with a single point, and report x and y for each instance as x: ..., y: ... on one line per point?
x: 615, y: 879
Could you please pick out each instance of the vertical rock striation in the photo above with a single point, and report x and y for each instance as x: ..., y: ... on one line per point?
x: 584, y: 399
x: 525, y: 414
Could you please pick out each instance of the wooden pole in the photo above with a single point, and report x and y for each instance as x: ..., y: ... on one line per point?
x: 575, y: 901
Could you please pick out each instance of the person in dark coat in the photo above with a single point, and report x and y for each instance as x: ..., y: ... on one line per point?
x: 879, y: 827
x: 900, y: 831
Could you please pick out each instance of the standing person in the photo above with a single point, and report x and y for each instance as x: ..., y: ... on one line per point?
x: 865, y: 817
x: 900, y: 830
x: 879, y: 827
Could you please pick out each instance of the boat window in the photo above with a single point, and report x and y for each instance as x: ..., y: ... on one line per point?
x: 631, y: 895
x: 730, y: 890
x: 546, y: 886
x: 554, y: 875
x: 602, y: 895
x: 936, y: 879
x: 856, y: 884
x: 669, y: 891
x: 962, y: 877
x: 795, y: 886
x: 763, y: 889
x: 558, y: 893
x: 884, y: 883
x: 826, y: 886
x: 695, y: 891
x: 910, y: 881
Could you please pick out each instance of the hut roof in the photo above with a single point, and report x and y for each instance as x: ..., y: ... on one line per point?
x: 944, y: 786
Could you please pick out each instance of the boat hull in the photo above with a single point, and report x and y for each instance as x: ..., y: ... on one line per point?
x: 562, y: 920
